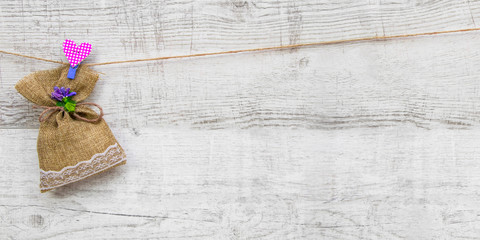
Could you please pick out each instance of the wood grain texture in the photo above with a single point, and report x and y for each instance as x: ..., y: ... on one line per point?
x: 380, y: 183
x: 367, y: 140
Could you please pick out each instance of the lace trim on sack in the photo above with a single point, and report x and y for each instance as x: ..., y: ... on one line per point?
x: 112, y: 156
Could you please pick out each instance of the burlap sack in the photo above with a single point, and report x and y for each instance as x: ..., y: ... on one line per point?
x: 70, y: 149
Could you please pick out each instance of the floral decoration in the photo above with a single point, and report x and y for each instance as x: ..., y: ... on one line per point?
x: 64, y: 98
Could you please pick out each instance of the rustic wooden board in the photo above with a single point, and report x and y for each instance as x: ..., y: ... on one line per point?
x: 366, y: 140
x: 385, y: 183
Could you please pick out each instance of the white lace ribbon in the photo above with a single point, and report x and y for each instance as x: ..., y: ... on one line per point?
x: 112, y: 156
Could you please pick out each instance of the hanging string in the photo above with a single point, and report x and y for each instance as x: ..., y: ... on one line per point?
x: 32, y: 57
x: 376, y: 38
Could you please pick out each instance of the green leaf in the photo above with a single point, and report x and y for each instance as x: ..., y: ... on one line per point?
x: 70, y: 107
x: 60, y: 104
x: 68, y: 100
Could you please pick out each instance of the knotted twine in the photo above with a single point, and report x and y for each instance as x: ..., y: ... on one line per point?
x: 54, y: 109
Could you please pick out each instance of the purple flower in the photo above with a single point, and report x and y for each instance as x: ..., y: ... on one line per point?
x: 60, y: 93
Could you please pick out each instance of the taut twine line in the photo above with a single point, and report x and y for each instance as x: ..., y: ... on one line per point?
x: 376, y: 38
x: 32, y: 57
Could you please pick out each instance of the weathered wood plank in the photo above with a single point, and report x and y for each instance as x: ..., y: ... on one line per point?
x: 149, y: 27
x: 370, y: 140
x: 384, y: 183
x: 425, y: 81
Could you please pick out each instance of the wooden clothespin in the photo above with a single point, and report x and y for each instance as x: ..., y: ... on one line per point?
x: 72, y: 71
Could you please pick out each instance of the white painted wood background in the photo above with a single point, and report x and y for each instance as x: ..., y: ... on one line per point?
x: 366, y: 140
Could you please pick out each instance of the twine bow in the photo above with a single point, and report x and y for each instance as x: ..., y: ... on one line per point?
x: 57, y: 108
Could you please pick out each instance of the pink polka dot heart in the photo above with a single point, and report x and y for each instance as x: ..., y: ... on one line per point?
x: 75, y: 54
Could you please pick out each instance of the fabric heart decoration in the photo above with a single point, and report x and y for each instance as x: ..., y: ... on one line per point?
x: 75, y: 54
